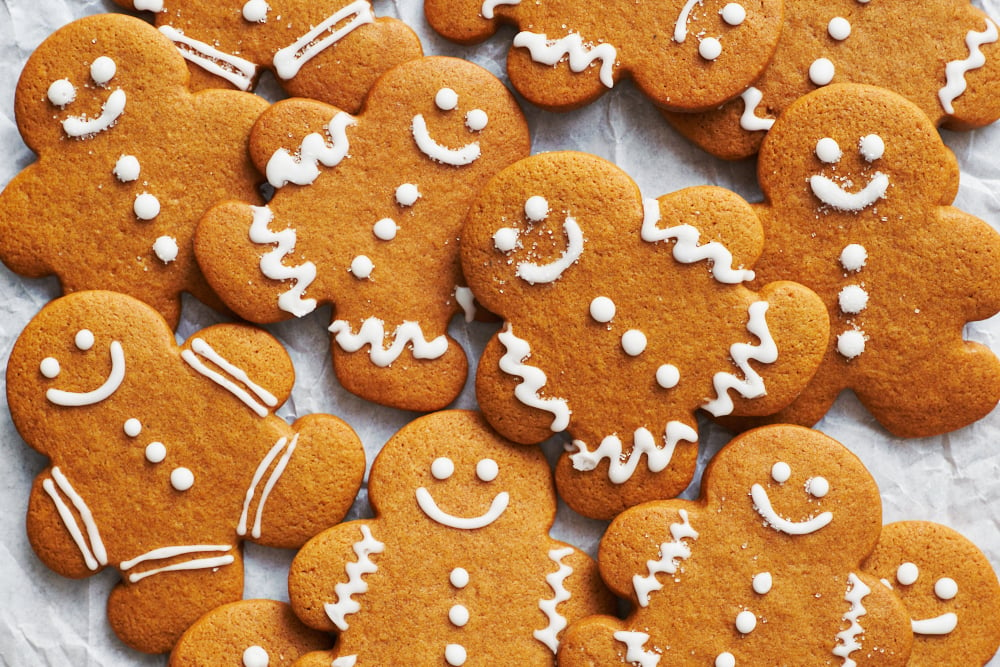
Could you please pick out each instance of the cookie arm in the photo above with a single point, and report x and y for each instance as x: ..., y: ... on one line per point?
x: 20, y: 219
x: 464, y: 21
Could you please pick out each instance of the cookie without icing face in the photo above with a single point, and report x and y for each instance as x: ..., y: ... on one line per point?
x: 685, y: 55
x: 129, y: 160
x: 165, y: 458
x: 623, y: 317
x: 367, y: 216
x: 457, y: 567
x: 328, y: 50
x: 764, y: 569
x: 939, y: 54
x: 857, y: 184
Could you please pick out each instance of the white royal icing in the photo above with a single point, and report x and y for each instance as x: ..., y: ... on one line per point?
x: 146, y: 206
x: 622, y: 467
x: 550, y: 52
x: 271, y: 265
x: 946, y: 588
x: 749, y: 120
x: 557, y: 582
x: 81, y: 127
x: 102, y: 70
x: 465, y: 299
x: 61, y: 92
x: 255, y: 11
x: 762, y: 503
x: 532, y: 379
x: 635, y: 653
x: 671, y: 555
x: 355, y: 585
x: 839, y: 28
x: 127, y: 168
x: 847, y: 640
x: 166, y: 249
x: 272, y: 479
x: 490, y: 5
x: 237, y: 71
x: 456, y: 157
x: 832, y: 194
x: 303, y: 168
x: 289, y: 60
x: 955, y: 71
x: 851, y: 343
x: 752, y: 386
x: 74, y: 399
x: 199, y: 348
x: 939, y: 625
x: 533, y: 273
x: 497, y: 507
x: 255, y: 656
x: 372, y: 333
x: 95, y: 554
x: 182, y: 479
x: 162, y: 553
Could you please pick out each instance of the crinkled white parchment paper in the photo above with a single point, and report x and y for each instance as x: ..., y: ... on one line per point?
x: 48, y: 621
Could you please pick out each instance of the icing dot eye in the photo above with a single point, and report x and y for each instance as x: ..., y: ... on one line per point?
x: 872, y: 147
x: 780, y: 472
x: 133, y: 427
x: 61, y: 92
x: 667, y: 376
x: 734, y: 14
x: 407, y: 194
x: 255, y: 11
x: 505, y: 239
x: 362, y: 267
x: 946, y: 588
x: 602, y: 309
x: 103, y: 70
x: 156, y: 452
x: 181, y: 479
x: 165, y: 248
x: 442, y: 468
x: 907, y: 574
x: 84, y: 339
x: 127, y: 168
x: 49, y: 367
x: 385, y: 229
x: 634, y: 342
x: 821, y: 71
x: 536, y: 208
x: 746, y: 621
x: 459, y: 577
x: 853, y: 299
x: 851, y: 343
x: 828, y: 151
x: 853, y: 257
x: 446, y: 99
x: 146, y: 206
x: 762, y: 583
x: 255, y: 656
x: 487, y: 470
x: 839, y: 28
x: 476, y: 120
x: 710, y: 48
x: 726, y: 659
x: 818, y: 487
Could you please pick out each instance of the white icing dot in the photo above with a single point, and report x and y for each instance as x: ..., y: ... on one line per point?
x: 103, y: 70
x: 455, y: 654
x: 442, y: 468
x: 459, y: 577
x: 127, y: 168
x: 839, y: 28
x: 385, y: 229
x: 407, y: 194
x: 362, y: 267
x: 165, y: 248
x: 536, y: 208
x: 487, y: 470
x: 476, y: 120
x: 146, y: 206
x: 907, y: 574
x: 667, y: 376
x: 156, y: 452
x: 828, y: 151
x: 853, y: 257
x: 602, y: 309
x: 634, y: 342
x: 853, y: 299
x: 49, y: 367
x: 818, y: 487
x: 255, y: 11
x: 726, y: 659
x: 780, y: 472
x: 946, y: 588
x: 133, y: 427
x: 505, y: 239
x: 61, y: 92
x: 746, y: 621
x: 762, y: 583
x: 84, y: 339
x: 181, y: 479
x: 458, y: 615
x: 851, y: 343
x: 255, y: 656
x: 710, y: 48
x: 446, y: 99
x: 734, y: 14
x: 821, y: 71
x: 872, y: 147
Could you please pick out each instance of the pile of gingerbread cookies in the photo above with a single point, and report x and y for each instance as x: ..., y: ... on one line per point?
x: 398, y: 207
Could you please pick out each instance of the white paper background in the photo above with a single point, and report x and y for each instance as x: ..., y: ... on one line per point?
x: 48, y: 620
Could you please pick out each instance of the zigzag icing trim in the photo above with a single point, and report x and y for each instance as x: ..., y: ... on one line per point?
x: 550, y: 52
x: 271, y: 265
x: 284, y: 168
x: 635, y: 653
x: 752, y: 386
x: 847, y: 640
x: 372, y: 333
x: 622, y: 467
x: 955, y: 71
x: 355, y: 585
x: 532, y: 379
x: 671, y: 553
x: 556, y: 580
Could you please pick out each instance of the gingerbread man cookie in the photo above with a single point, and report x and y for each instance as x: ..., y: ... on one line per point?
x: 623, y: 317
x: 165, y: 458
x: 367, y: 216
x: 329, y: 50
x: 129, y: 160
x: 939, y: 54
x: 764, y: 569
x: 457, y: 567
x: 684, y: 55
x: 949, y: 588
x: 857, y: 184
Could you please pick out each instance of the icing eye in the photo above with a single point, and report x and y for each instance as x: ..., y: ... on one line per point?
x: 734, y: 14
x: 49, y: 367
x: 872, y: 147
x: 407, y: 194
x: 780, y: 472
x: 487, y: 470
x: 945, y: 588
x: 602, y: 309
x: 61, y: 92
x: 536, y: 208
x: 505, y: 239
x: 84, y: 339
x: 446, y: 99
x: 907, y: 574
x: 476, y: 120
x: 442, y: 468
x: 828, y: 151
x: 103, y: 70
x: 817, y: 487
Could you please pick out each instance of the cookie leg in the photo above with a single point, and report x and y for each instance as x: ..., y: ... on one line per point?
x: 593, y: 642
x: 57, y: 531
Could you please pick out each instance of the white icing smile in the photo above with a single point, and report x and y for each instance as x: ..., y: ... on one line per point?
x: 457, y: 157
x: 832, y: 194
x: 762, y: 503
x: 107, y: 388
x: 497, y: 507
x: 81, y: 126
x: 939, y: 625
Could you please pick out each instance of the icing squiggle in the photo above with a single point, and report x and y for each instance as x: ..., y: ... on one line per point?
x: 635, y: 653
x: 766, y: 352
x: 271, y: 265
x: 847, y: 640
x: 372, y: 333
x: 282, y: 444
x: 620, y: 467
x: 94, y: 555
x: 532, y: 379
x: 831, y: 194
x: 284, y: 168
x: 497, y: 507
x: 200, y: 348
x: 363, y: 548
x: 955, y: 71
x: 749, y: 120
x: 490, y: 5
x: 550, y: 52
x: 80, y: 127
x: 671, y: 553
x: 289, y: 60
x: 456, y: 157
x: 556, y: 580
x: 116, y: 376
x: 686, y: 247
x: 170, y: 552
x: 533, y: 273
x: 762, y: 503
x: 235, y: 70
x: 680, y: 27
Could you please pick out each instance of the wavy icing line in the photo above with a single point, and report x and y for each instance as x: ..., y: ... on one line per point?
x: 289, y: 60
x: 282, y: 444
x: 271, y: 265
x: 635, y: 653
x: 532, y: 379
x: 847, y: 640
x: 355, y: 585
x: 533, y: 273
x: 76, y: 399
x: 170, y: 552
x: 550, y: 52
x: 556, y: 580
x: 456, y: 157
x: 284, y: 168
x: 372, y: 333
x: 749, y: 120
x: 766, y: 352
x: 237, y: 71
x: 955, y: 71
x: 687, y: 249
x: 94, y: 555
x: 199, y: 348
x: 620, y: 467
x: 490, y: 5
x: 671, y: 553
